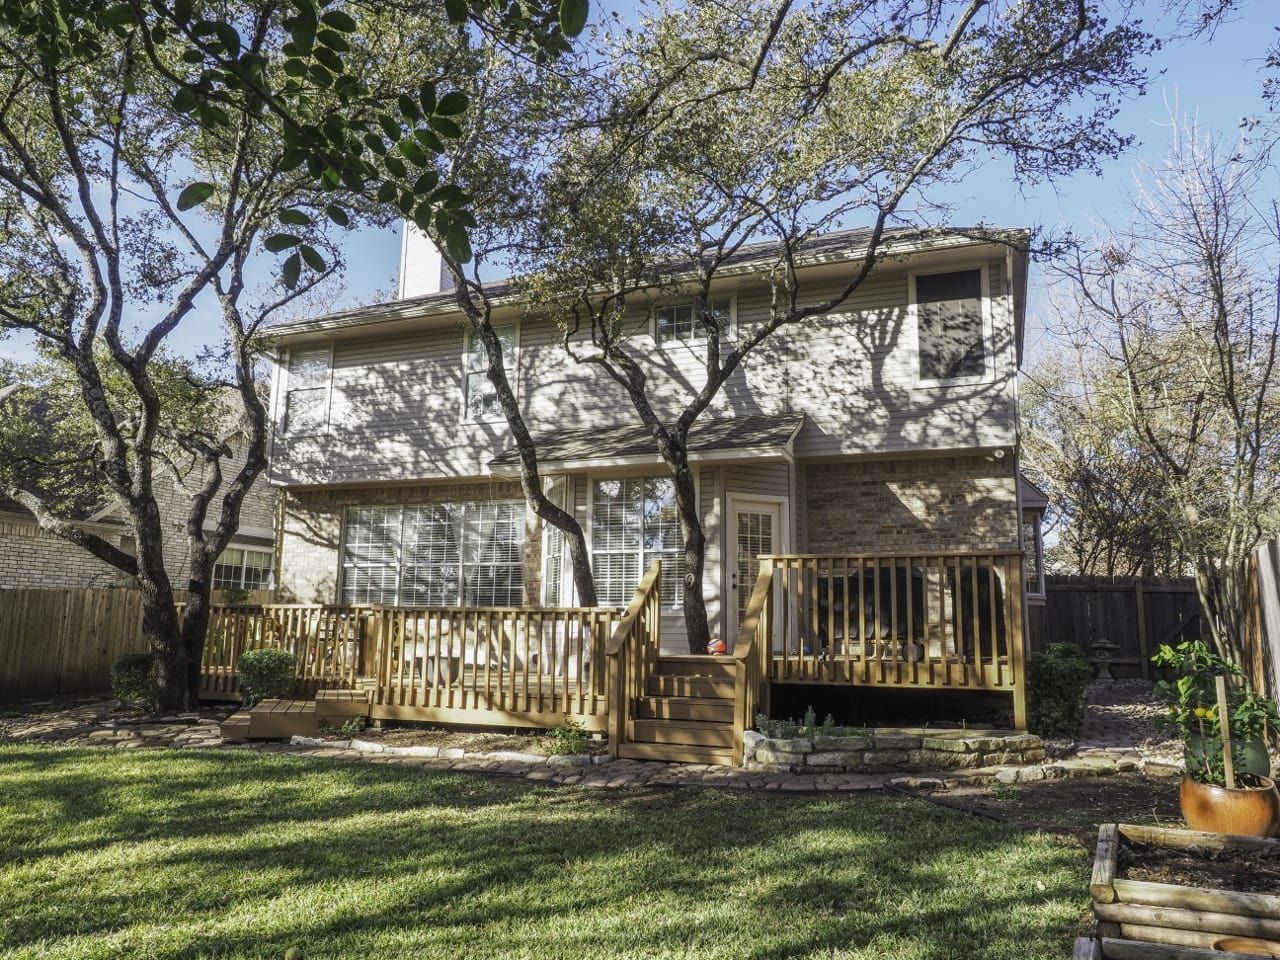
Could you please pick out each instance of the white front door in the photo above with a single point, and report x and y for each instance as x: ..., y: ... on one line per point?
x: 755, y: 529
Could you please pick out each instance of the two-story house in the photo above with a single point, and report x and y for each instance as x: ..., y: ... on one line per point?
x: 872, y: 454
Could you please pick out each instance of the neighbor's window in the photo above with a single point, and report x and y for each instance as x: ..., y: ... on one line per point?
x: 467, y: 553
x: 306, y: 400
x: 950, y: 328
x: 480, y: 396
x: 1033, y: 558
x: 634, y: 521
x: 678, y: 322
x: 241, y: 569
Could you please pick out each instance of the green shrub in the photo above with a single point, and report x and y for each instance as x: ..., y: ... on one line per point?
x: 807, y: 727
x: 568, y: 739
x: 266, y: 674
x: 133, y: 680
x: 1056, y: 678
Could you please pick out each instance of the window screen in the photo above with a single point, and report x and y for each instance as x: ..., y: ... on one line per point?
x: 678, y: 322
x: 435, y: 554
x: 949, y: 316
x: 633, y: 522
x: 480, y: 395
x: 306, y: 399
x: 240, y: 569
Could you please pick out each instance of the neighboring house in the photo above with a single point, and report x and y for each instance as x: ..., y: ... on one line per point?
x: 33, y: 558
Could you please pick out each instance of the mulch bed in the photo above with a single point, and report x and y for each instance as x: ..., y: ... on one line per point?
x: 1245, y: 871
x: 471, y: 740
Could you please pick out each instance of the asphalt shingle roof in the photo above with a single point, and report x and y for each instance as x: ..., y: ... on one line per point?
x: 592, y: 443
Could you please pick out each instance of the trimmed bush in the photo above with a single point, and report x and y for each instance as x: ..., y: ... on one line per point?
x: 133, y: 680
x: 1056, y: 679
x: 266, y: 674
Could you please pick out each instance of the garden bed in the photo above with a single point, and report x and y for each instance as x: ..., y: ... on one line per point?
x: 1183, y: 887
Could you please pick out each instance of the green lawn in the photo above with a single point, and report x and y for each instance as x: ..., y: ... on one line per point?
x: 230, y: 854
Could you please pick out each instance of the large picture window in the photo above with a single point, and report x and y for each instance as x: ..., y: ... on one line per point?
x: 634, y: 521
x: 435, y: 554
x: 480, y: 398
x: 950, y: 326
x: 306, y: 401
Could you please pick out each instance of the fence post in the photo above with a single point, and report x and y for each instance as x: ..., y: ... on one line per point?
x: 1144, y: 656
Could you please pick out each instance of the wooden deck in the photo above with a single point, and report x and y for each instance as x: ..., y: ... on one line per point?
x: 924, y: 621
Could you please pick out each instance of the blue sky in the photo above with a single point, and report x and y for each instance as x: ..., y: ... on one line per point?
x: 1219, y: 81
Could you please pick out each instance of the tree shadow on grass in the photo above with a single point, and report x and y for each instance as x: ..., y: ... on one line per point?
x: 353, y: 858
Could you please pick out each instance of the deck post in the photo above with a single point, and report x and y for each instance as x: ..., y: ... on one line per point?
x: 1017, y: 643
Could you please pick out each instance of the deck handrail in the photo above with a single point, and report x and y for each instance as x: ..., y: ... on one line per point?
x: 905, y: 555
x: 751, y: 651
x: 632, y: 653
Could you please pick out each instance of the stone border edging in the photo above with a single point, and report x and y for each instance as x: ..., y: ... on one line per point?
x: 455, y: 753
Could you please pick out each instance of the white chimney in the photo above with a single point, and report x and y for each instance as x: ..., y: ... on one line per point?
x: 422, y: 269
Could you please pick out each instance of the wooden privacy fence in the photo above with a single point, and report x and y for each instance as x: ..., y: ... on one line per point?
x: 61, y: 642
x: 1139, y: 614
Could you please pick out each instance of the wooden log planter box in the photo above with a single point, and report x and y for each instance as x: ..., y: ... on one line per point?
x: 1139, y: 914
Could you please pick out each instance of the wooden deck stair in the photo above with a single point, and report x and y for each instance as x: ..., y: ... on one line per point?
x: 686, y: 713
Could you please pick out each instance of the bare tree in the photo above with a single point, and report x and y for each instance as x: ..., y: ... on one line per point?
x: 1183, y: 300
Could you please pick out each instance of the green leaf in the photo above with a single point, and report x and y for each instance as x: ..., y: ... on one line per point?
x: 229, y: 37
x: 452, y: 103
x: 281, y: 241
x: 182, y: 11
x: 427, y: 97
x: 295, y: 218
x: 339, y: 21
x: 429, y: 140
x: 329, y: 59
x: 291, y: 270
x: 413, y: 152
x: 395, y: 166
x: 573, y: 16
x: 456, y: 11
x: 458, y: 243
x: 116, y: 15
x: 426, y: 183
x: 312, y: 257
x: 194, y: 194
x: 386, y: 193
x: 333, y: 40
x: 337, y: 215
x: 184, y: 101
x: 445, y: 127
x: 408, y: 107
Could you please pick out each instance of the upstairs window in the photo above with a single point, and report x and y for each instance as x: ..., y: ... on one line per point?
x: 480, y: 397
x: 950, y: 326
x: 634, y: 522
x: 306, y: 402
x: 679, y: 321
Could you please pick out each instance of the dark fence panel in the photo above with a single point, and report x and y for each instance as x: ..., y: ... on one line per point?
x: 1139, y: 614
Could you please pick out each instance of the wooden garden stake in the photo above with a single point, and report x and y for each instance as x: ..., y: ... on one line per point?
x: 1225, y: 724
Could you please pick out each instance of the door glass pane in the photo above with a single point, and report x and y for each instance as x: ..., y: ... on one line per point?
x: 755, y: 537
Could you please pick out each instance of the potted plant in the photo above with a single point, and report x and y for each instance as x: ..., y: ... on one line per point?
x: 1237, y: 797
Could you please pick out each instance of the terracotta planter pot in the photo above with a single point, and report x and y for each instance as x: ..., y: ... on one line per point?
x: 1247, y: 811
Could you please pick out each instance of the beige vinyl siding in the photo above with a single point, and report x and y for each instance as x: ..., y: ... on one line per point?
x: 396, y: 408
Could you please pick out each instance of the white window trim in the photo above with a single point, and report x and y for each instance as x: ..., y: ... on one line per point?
x: 513, y: 371
x: 589, y: 520
x: 988, y: 374
x: 328, y: 397
x: 728, y: 334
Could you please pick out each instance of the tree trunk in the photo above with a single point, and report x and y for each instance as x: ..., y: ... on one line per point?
x: 160, y: 627
x: 195, y: 627
x: 696, y: 624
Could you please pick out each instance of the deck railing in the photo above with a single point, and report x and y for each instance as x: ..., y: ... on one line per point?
x: 327, y: 642
x: 751, y: 652
x: 927, y: 620
x: 491, y: 664
x: 633, y: 654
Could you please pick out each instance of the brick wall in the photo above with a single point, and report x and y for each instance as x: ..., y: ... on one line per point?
x: 312, y: 534
x: 898, y: 506
x: 32, y: 558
